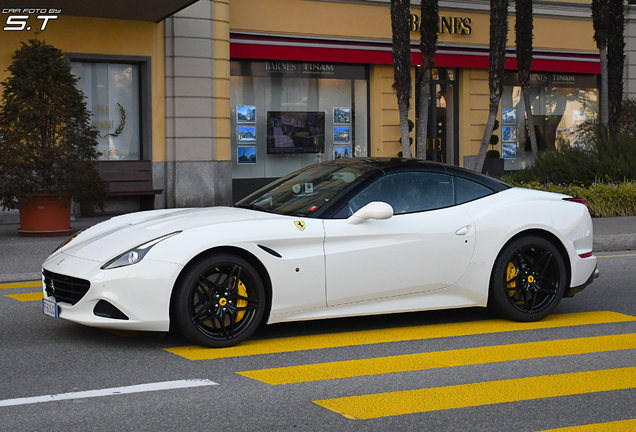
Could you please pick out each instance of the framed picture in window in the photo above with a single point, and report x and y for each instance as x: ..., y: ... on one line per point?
x: 509, y: 116
x: 245, y: 114
x: 509, y: 150
x: 341, y: 152
x: 509, y: 134
x: 245, y: 155
x: 341, y: 115
x: 341, y: 135
x: 246, y: 135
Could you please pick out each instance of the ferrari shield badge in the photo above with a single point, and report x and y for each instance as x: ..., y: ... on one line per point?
x: 300, y: 225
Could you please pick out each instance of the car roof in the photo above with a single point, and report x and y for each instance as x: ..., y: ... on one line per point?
x: 396, y: 164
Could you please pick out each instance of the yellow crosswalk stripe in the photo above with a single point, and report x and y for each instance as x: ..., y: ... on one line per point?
x: 615, y: 426
x: 482, y: 393
x: 365, y: 337
x: 34, y: 284
x: 441, y: 359
x: 27, y: 297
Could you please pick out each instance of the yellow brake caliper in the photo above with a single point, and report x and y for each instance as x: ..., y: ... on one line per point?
x: 511, y: 272
x: 242, y: 291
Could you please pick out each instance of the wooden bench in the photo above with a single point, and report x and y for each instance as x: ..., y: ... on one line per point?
x: 130, y: 178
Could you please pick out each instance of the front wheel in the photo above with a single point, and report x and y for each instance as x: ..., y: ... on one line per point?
x: 219, y: 301
x: 528, y: 280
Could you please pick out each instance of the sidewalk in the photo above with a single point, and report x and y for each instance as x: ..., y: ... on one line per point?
x: 21, y: 257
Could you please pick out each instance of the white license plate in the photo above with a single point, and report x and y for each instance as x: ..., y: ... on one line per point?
x: 49, y: 308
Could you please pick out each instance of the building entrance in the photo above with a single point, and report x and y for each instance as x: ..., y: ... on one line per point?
x: 443, y: 117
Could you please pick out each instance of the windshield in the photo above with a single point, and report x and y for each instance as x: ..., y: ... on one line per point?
x: 304, y: 192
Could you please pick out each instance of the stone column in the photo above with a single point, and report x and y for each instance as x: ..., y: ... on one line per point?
x: 629, y: 88
x: 198, y: 160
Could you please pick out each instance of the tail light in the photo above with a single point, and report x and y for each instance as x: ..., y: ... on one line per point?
x: 576, y: 200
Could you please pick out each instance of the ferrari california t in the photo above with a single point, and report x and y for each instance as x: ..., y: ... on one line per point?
x: 343, y: 238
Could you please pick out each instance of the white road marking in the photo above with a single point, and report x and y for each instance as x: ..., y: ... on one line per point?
x: 166, y: 385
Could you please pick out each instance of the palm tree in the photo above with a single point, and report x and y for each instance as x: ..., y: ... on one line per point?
x: 400, y: 24
x: 496, y: 71
x: 523, y: 39
x: 600, y: 20
x: 615, y: 62
x: 428, y: 46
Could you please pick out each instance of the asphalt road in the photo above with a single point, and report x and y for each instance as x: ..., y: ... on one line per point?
x: 542, y: 384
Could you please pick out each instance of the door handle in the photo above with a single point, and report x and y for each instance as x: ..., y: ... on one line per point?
x: 462, y: 231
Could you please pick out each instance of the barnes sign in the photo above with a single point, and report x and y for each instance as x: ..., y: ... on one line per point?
x: 451, y: 25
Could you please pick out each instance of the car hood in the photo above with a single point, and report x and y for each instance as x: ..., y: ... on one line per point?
x: 108, y: 239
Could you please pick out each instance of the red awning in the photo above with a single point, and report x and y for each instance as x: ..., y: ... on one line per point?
x: 298, y: 48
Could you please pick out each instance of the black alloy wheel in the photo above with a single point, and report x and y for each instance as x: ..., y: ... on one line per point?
x: 528, y: 280
x: 219, y: 302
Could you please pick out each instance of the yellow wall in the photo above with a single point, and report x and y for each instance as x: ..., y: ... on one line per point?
x: 103, y: 36
x: 349, y: 20
x: 474, y: 99
x: 221, y: 80
x: 385, y: 116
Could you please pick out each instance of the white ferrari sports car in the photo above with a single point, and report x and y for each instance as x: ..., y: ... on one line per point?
x: 343, y: 238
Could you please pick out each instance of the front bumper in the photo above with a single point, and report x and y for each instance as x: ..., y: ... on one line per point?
x: 141, y: 292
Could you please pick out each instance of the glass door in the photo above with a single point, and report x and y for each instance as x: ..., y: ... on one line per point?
x: 443, y: 125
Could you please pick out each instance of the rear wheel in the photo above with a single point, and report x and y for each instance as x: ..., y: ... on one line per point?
x: 528, y: 280
x: 219, y: 302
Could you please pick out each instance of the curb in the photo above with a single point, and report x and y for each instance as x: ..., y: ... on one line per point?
x: 614, y: 242
x: 20, y: 277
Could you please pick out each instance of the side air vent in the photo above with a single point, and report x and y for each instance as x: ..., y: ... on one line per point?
x: 270, y: 251
x: 106, y: 310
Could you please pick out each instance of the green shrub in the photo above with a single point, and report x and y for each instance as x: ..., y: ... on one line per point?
x: 616, y: 156
x: 595, y: 156
x: 564, y: 165
x: 493, y: 154
x: 603, y: 199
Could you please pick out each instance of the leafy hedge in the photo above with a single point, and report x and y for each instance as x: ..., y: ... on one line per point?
x: 611, y: 159
x: 603, y: 199
x: 599, y: 168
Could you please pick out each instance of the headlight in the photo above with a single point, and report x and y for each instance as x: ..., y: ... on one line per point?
x: 134, y: 255
x: 67, y: 241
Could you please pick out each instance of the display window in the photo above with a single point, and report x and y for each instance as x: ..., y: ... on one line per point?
x: 560, y: 102
x: 112, y: 92
x: 288, y: 115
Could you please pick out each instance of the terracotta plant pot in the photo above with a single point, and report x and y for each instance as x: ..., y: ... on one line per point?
x: 45, y: 215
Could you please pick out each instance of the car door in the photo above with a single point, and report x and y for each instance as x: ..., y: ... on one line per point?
x: 426, y: 245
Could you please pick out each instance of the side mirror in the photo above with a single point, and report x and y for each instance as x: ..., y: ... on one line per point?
x: 373, y: 210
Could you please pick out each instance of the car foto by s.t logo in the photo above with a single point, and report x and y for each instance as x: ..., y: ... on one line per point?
x: 17, y: 19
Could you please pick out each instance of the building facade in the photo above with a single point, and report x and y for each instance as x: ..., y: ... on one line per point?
x: 219, y: 97
x: 119, y: 55
x: 290, y: 56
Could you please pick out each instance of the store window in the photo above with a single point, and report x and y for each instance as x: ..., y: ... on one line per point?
x: 288, y: 115
x: 560, y: 102
x: 115, y: 93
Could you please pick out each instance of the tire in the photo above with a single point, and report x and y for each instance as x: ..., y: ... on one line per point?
x: 219, y: 301
x: 528, y: 280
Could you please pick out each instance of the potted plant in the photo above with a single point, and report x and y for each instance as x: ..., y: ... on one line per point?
x: 493, y: 164
x: 47, y: 146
